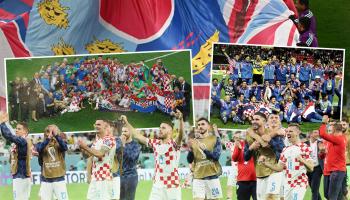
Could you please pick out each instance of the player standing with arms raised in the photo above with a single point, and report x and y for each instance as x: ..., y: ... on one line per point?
x: 20, y: 156
x: 166, y: 183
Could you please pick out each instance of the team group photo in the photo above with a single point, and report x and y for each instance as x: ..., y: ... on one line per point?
x: 174, y: 100
x: 47, y: 90
x: 300, y: 84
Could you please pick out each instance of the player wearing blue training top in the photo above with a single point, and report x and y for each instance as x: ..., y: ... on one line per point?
x: 20, y: 156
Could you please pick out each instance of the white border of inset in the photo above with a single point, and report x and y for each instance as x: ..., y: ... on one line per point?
x: 272, y: 46
x: 171, y: 52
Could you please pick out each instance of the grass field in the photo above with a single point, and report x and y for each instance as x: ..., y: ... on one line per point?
x: 333, y: 29
x: 79, y: 191
x: 178, y: 64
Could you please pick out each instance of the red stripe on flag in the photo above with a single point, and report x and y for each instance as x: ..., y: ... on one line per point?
x: 11, y: 33
x: 25, y: 17
x: 6, y: 15
x: 201, y: 91
x: 2, y: 104
x: 291, y: 6
x: 291, y: 35
x: 266, y: 36
x: 28, y: 2
x: 240, y: 17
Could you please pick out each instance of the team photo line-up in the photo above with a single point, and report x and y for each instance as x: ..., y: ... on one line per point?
x: 103, y: 84
x: 270, y: 162
x: 300, y: 84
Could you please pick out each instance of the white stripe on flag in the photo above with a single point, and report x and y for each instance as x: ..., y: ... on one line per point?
x: 284, y: 29
x: 308, y: 111
x: 5, y: 52
x: 227, y: 11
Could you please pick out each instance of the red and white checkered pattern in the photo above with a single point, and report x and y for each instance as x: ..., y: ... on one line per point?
x: 248, y: 113
x: 101, y: 168
x: 295, y: 170
x: 168, y: 101
x: 166, y: 157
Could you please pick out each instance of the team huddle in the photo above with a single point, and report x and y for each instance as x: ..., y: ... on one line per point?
x: 298, y: 84
x: 105, y: 83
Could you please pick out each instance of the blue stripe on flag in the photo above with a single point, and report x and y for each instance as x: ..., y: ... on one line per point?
x: 22, y: 28
x: 139, y: 108
x: 264, y: 17
x: 15, y: 7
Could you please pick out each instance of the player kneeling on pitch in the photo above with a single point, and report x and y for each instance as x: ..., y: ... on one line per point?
x: 296, y: 160
x: 53, y: 166
x: 20, y: 156
x: 166, y: 184
x: 102, y: 152
x: 205, y: 153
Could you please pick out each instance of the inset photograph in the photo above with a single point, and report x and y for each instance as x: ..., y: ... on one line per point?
x: 299, y: 84
x: 73, y: 91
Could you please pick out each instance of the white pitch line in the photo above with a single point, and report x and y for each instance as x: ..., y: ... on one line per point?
x: 166, y: 55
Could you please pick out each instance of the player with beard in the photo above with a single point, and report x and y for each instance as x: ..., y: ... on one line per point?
x: 127, y: 153
x: 268, y: 181
x: 20, y: 156
x: 53, y: 166
x: 275, y: 129
x: 205, y: 153
x: 336, y: 161
x: 296, y: 161
x: 166, y: 182
x: 102, y: 152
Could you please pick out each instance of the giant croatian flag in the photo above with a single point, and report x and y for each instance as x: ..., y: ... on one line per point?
x: 59, y: 27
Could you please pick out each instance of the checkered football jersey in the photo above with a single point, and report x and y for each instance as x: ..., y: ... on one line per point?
x: 167, y: 156
x: 295, y: 171
x: 101, y: 168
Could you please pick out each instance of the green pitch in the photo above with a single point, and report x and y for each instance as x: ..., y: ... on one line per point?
x: 333, y: 29
x: 79, y: 191
x: 178, y: 64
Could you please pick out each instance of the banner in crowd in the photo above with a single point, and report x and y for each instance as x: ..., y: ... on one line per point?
x: 80, y: 176
x: 143, y: 105
x: 165, y: 102
x: 62, y: 27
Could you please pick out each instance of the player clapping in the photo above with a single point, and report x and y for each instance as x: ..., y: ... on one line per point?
x: 53, y: 166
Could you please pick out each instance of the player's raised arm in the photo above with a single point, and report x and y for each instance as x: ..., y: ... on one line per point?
x: 7, y: 131
x: 179, y: 117
x: 135, y: 133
